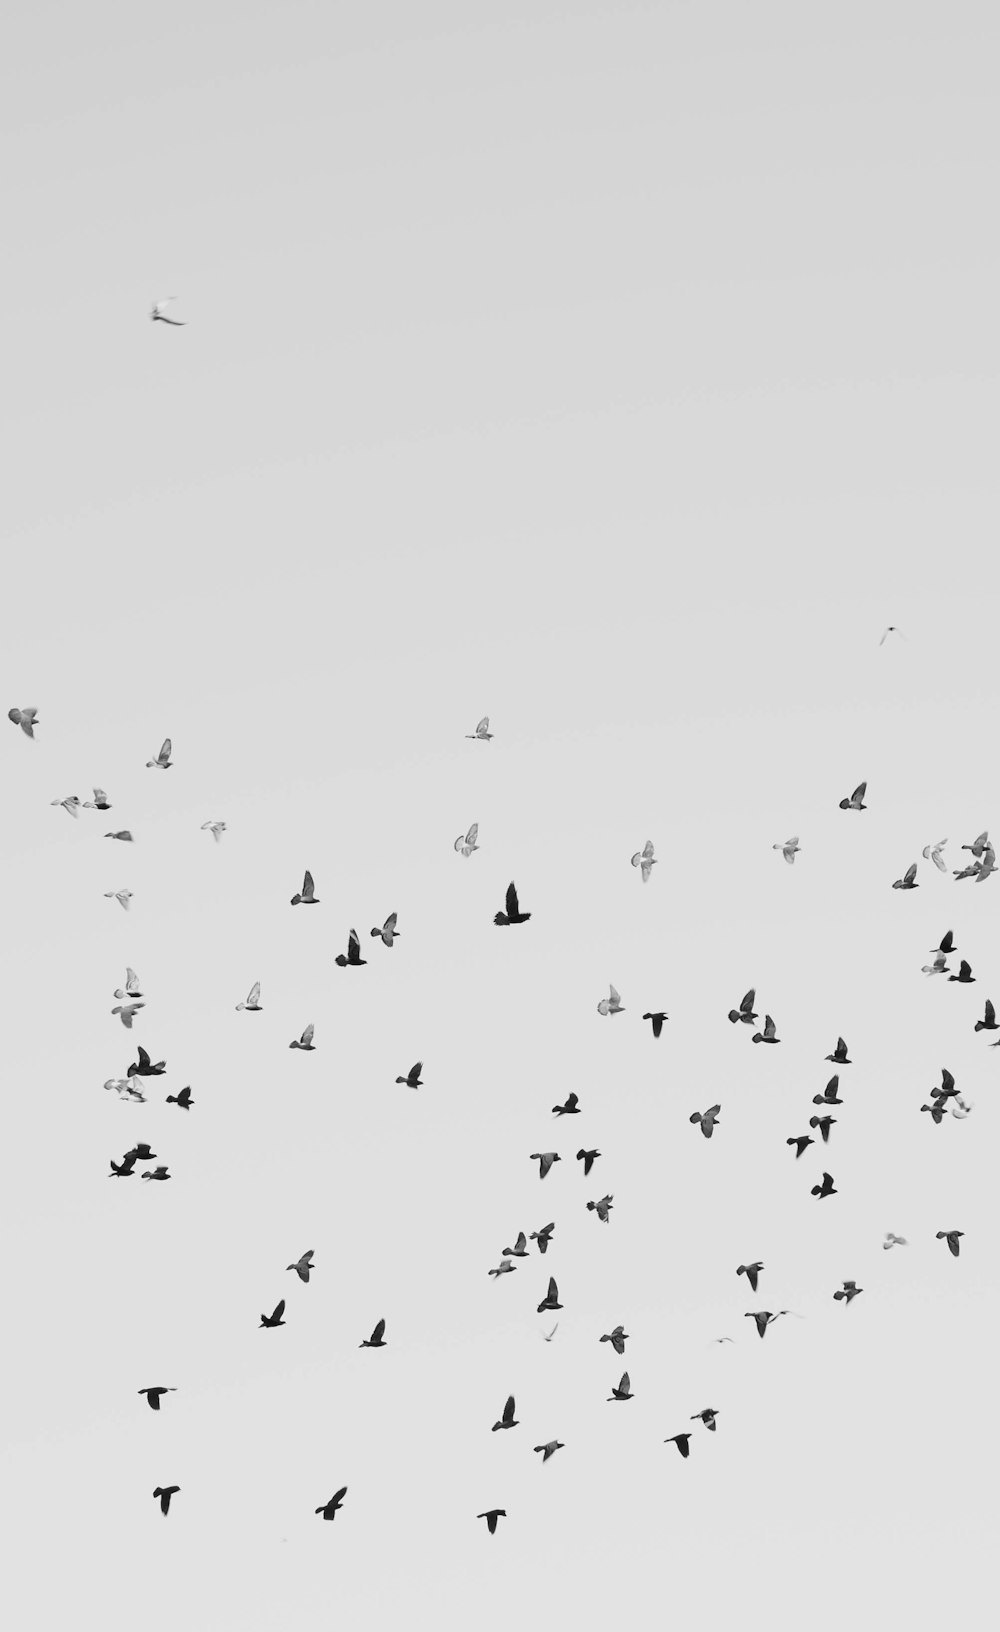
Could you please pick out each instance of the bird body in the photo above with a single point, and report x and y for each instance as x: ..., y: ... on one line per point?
x: 618, y: 1337
x: 682, y: 1441
x: 745, y: 1012
x: 159, y: 1173
x: 824, y: 1189
x: 908, y: 880
x: 570, y: 1107
x: 707, y: 1119
x: 154, y: 1395
x: 491, y: 1516
x: 157, y: 314
x: 545, y: 1160
x: 253, y: 1004
x: 657, y: 1016
x: 71, y: 805
x: 275, y: 1318
x: 839, y: 1055
x: 26, y: 718
x: 482, y: 733
x: 508, y: 1419
x: 952, y: 1238
x: 127, y: 1012
x: 183, y: 1099
x: 412, y: 1078
x: 829, y: 1096
x: 164, y: 1493
x: 624, y: 1389
x: 550, y: 1448
x: 768, y: 1034
x: 305, y: 1042
x: 123, y: 897
x: 467, y: 846
x: 707, y: 1416
x: 551, y: 1298
x: 849, y: 1290
x: 602, y: 1208
x: 542, y: 1236
x: 751, y: 1271
x: 388, y: 933
x: 331, y: 1508
x: 215, y: 828
x: 989, y: 1020
x: 377, y: 1339
x: 801, y: 1142
x: 932, y: 852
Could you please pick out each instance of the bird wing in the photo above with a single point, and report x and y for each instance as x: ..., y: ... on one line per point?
x: 647, y: 849
x: 165, y: 751
x: 379, y: 1332
x: 353, y: 945
x: 483, y: 725
x: 279, y: 1310
x: 553, y: 1292
x: 253, y: 996
x: 859, y: 792
x: 512, y: 906
x: 626, y: 1383
x: 307, y: 1035
x: 911, y: 873
x: 390, y: 924
x: 747, y: 1002
x: 473, y: 834
x: 615, y: 996
x: 990, y: 1013
x: 508, y: 1410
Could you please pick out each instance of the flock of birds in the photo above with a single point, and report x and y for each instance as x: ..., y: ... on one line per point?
x: 943, y: 1098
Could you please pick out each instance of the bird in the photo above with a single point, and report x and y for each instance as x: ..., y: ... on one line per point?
x: 971, y: 871
x: 71, y: 805
x: 519, y: 1249
x: 623, y: 1391
x: 952, y: 1238
x: 548, y: 1336
x: 570, y: 1107
x: 891, y: 630
x: 763, y: 1318
x: 353, y: 959
x: 482, y: 733
x: 790, y: 849
x: 751, y: 1271
x: 937, y: 1111
x: 938, y: 967
x: 979, y: 845
x: 602, y: 1208
x: 824, y: 1124
x: 824, y: 1189
x: 412, y: 1078
x: 377, y: 1339
x: 183, y: 1099
x: 125, y: 1088
x: 829, y: 1095
x: 932, y: 852
x: 303, y: 1265
x: 989, y: 1020
x: 855, y: 802
x: 467, y: 846
x: 849, y: 1290
x: 215, y: 828
x: 657, y: 1016
x: 745, y: 1012
x: 333, y: 1506
x: 767, y: 1035
x: 542, y: 1236
x: 26, y: 718
x: 707, y: 1119
x: 508, y: 1419
x: 946, y: 945
x: 617, y: 1337
x: 545, y: 1158
x: 123, y: 834
x: 839, y: 1055
x: 131, y: 987
x: 505, y: 1267
x: 127, y: 1012
x: 644, y: 858
x: 551, y: 1298
x: 513, y: 915
x: 164, y: 1492
x: 611, y: 1004
x: 159, y: 1173
x: 99, y: 801
x: 707, y: 1416
x: 275, y: 1318
x: 154, y: 1395
x: 550, y: 1449
x: 144, y: 1066
x: 305, y: 1042
x: 682, y: 1441
x: 588, y: 1158
x: 253, y: 1003
x: 123, y: 1169
x: 156, y: 315
x: 801, y: 1142
x: 987, y: 866
x: 142, y: 1153
x: 123, y: 897
x: 893, y: 1241
x: 388, y: 933
x: 307, y: 896
x: 162, y: 761
x: 965, y: 977
x: 908, y: 880
x: 491, y: 1515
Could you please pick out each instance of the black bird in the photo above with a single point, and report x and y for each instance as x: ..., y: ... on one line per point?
x: 491, y: 1516
x: 829, y: 1094
x: 508, y: 1419
x: 801, y: 1142
x: 657, y: 1016
x: 617, y: 1338
x: 165, y: 1493
x: 183, y: 1099
x: 542, y: 1236
x: 908, y: 880
x: 544, y: 1159
x: 855, y: 802
x: 570, y: 1108
x: 412, y: 1079
x: 334, y: 1505
x: 377, y: 1339
x: 946, y: 944
x: 142, y: 1153
x: 624, y: 1389
x: 768, y: 1034
x: 952, y: 1237
x: 947, y: 1089
x: 824, y: 1189
x: 306, y: 897
x: 682, y: 1441
x: 602, y: 1208
x: 157, y: 1173
x: 839, y: 1055
x: 965, y: 976
x: 123, y: 1169
x: 745, y: 1012
x: 707, y: 1416
x: 551, y: 1298
x: 274, y: 1319
x: 824, y: 1124
x: 143, y: 1067
x: 989, y: 1023
x: 550, y: 1449
x: 751, y: 1271
x: 588, y: 1158
x: 513, y: 915
x: 850, y: 1290
x: 153, y: 1396
x: 353, y: 960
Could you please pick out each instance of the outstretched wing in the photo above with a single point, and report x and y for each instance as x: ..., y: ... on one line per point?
x: 512, y: 906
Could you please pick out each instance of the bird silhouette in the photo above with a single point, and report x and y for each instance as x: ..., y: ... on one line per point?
x: 790, y: 849
x: 965, y: 977
x: 482, y: 733
x: 491, y: 1515
x: 763, y: 1318
x: 745, y: 1012
x: 306, y: 897
x: 353, y: 960
x: 682, y: 1441
x: 952, y: 1238
x: 550, y: 1449
x: 839, y: 1055
x: 707, y: 1416
x: 142, y: 1153
x: 551, y: 1298
x: 801, y: 1142
x: 623, y: 1391
x: 855, y: 802
x: 305, y: 1042
x: 467, y: 846
x: 768, y: 1034
x: 542, y: 1236
x: 303, y: 1265
x: 570, y: 1107
x: 611, y: 1004
x: 824, y: 1124
x: 707, y: 1119
x: 545, y: 1160
x: 505, y: 1267
x: 824, y: 1189
x: 751, y: 1271
x: 26, y: 718
x: 123, y: 1169
x: 893, y: 1241
x: 519, y: 1249
x: 164, y: 1492
x: 588, y: 1158
x: 980, y: 845
x: 183, y: 1099
x: 617, y: 1337
x: 154, y: 1396
x: 253, y: 1004
x: 657, y: 1016
x: 144, y: 1067
x: 157, y: 314
x: 275, y: 1317
x: 644, y: 858
x: 989, y: 1020
x: 162, y: 761
x: 333, y: 1506
x: 602, y: 1208
x: 829, y: 1096
x: 849, y: 1290
x: 412, y: 1078
x: 508, y: 1419
x: 388, y: 933
x: 938, y: 967
x: 946, y: 944
x: 513, y: 915
x: 159, y: 1173
x: 123, y: 834
x: 908, y: 880
x: 377, y: 1339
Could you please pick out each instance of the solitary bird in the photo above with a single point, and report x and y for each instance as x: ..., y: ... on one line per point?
x: 154, y: 1395
x: 123, y: 897
x: 550, y: 1449
x: 855, y: 802
x: 353, y: 960
x: 839, y: 1055
x: 335, y: 1503
x: 545, y: 1159
x: 801, y: 1142
x: 158, y: 1173
x: 824, y: 1189
x: 412, y: 1078
x: 570, y: 1107
x: 162, y: 760
x: 617, y: 1337
x: 491, y: 1515
x: 893, y: 1241
x: 682, y: 1441
x: 849, y: 1290
x: 989, y: 1021
x: 829, y: 1096
x: 388, y: 933
x: 305, y: 1042
x: 602, y: 1208
x: 932, y: 852
x: 71, y: 805
x: 624, y: 1389
x: 790, y: 849
x: 157, y: 314
x: 508, y: 1419
x: 303, y: 1265
x: 588, y: 1158
x: 26, y: 718
x: 644, y: 858
x: 542, y: 1236
x: 551, y: 1298
x: 745, y: 1012
x: 611, y: 1004
x: 952, y: 1238
x: 707, y: 1119
x: 306, y: 897
x: 965, y: 977
x: 513, y: 915
x: 215, y: 828
x: 751, y: 1271
x: 707, y: 1416
x: 482, y: 733
x: 164, y: 1492
x: 657, y: 1016
x: 824, y: 1124
x: 768, y: 1034
x: 127, y: 1012
x: 519, y: 1249
x: 908, y: 880
x: 253, y: 1003
x: 467, y: 846
x: 275, y: 1318
x: 99, y: 801
x: 183, y: 1099
x: 377, y: 1339
x: 144, y: 1066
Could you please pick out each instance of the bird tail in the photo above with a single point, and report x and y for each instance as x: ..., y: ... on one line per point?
x: 501, y: 918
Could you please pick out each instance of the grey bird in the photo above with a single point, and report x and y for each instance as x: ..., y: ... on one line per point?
x: 849, y: 1290
x: 751, y: 1271
x: 938, y: 967
x: 624, y: 1389
x: 657, y: 1016
x: 824, y: 1124
x: 908, y: 880
x: 154, y: 1395
x: 937, y: 1110
x: 305, y: 1042
x: 164, y: 1493
x: 644, y: 858
x: 513, y: 914
x: 123, y: 834
x: 123, y: 897
x: 551, y: 1298
x: 545, y: 1160
x: 682, y: 1441
x: 482, y: 733
x: 253, y: 1004
x: 932, y: 852
x: 303, y: 1265
x: 745, y: 1012
x: 952, y: 1238
x: 570, y: 1107
x: 707, y: 1416
x: 856, y: 801
x: 971, y: 871
x: 353, y: 960
x: 26, y: 718
x: 508, y: 1419
x: 707, y: 1119
x: 602, y: 1208
x: 891, y: 630
x: 491, y: 1515
x: 126, y: 1013
x: 467, y: 846
x: 893, y: 1241
x: 183, y: 1099
x: 71, y: 805
x: 157, y: 314
x: 588, y: 1158
x: 131, y: 987
x: 505, y: 1267
x: 215, y: 828
x: 543, y: 1236
x: 519, y: 1249
x: 825, y: 1189
x: 377, y: 1339
x: 839, y: 1055
x: 550, y: 1449
x: 412, y: 1078
x: 388, y: 933
x: 801, y: 1142
x: 768, y: 1034
x: 617, y: 1337
x: 979, y: 846
x: 162, y: 760
x: 306, y: 897
x: 790, y: 849
x: 763, y: 1318
x: 333, y: 1506
x: 829, y: 1096
x: 99, y: 801
x: 989, y: 1020
x: 275, y: 1318
x: 159, y: 1173
x: 611, y: 1004
x: 987, y: 866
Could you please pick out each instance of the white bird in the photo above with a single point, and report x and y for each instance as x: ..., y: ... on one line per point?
x: 70, y: 804
x: 253, y: 1004
x: 26, y: 718
x: 162, y: 760
x: 125, y: 1088
x: 960, y: 1107
x: 131, y: 985
x: 157, y: 316
x: 789, y: 849
x: 893, y: 1241
x: 127, y: 1011
x: 610, y: 1005
x: 482, y: 733
x: 215, y: 828
x: 123, y: 897
x: 932, y: 852
x: 466, y: 846
x: 644, y: 858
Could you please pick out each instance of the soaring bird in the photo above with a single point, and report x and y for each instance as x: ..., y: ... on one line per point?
x: 26, y: 718
x: 305, y: 1042
x: 162, y: 760
x: 513, y: 915
x: 839, y: 1055
x: 126, y: 1013
x: 937, y: 1110
x: 763, y: 1318
x: 467, y: 846
x: 849, y: 1290
x: 602, y: 1208
x: 824, y: 1124
x: 682, y: 1441
x: 377, y: 1339
x: 159, y: 1173
x: 611, y: 1004
x: 215, y: 828
x: 253, y: 1003
x: 989, y: 1021
x: 745, y: 1012
x: 588, y: 1158
x: 142, y: 1152
x: 707, y: 1119
x: 570, y: 1107
x: 333, y: 1506
x: 388, y: 933
x: 99, y: 801
x: 491, y: 1515
x: 908, y: 880
x: 617, y: 1337
x: 353, y: 960
x: 971, y: 871
x: 412, y: 1079
x: 275, y: 1318
x: 751, y: 1271
x: 801, y: 1142
x: 154, y: 1395
x: 303, y: 1265
x: 519, y: 1249
x: 157, y: 313
x: 545, y: 1158
x: 790, y: 849
x: 144, y: 1066
x: 952, y: 1238
x: 71, y: 804
x: 307, y: 896
x: 183, y: 1099
x: 644, y: 858
x: 707, y: 1416
x: 123, y: 834
x: 855, y: 802
x: 623, y: 1391
x: 542, y: 1236
x: 657, y: 1016
x: 482, y: 733
x: 829, y: 1096
x: 932, y: 852
x: 551, y: 1298
x: 893, y: 1241
x: 123, y: 897
x: 965, y: 977
x: 508, y: 1419
x: 768, y: 1034
x: 164, y: 1492
x: 131, y: 987
x: 824, y: 1189
x: 980, y: 845
x: 550, y: 1449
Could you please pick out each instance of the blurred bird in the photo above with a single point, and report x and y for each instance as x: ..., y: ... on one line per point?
x: 850, y: 1290
x: 491, y: 1516
x: 801, y: 1142
x: 412, y: 1078
x: 839, y: 1055
x: 388, y: 933
x: 377, y: 1339
x: 987, y: 866
x: 545, y: 1159
x: 768, y: 1034
x: 26, y: 718
x: 937, y: 1110
x: 508, y: 1419
x: 123, y: 897
x: 550, y: 1449
x: 790, y: 849
x: 159, y: 1173
x: 989, y: 1021
x: 624, y: 1389
x: 164, y: 1493
x: 965, y: 977
x: 745, y: 1013
x: 125, y: 1088
x: 824, y: 1124
x: 908, y: 880
x: 505, y: 1267
x: 829, y: 1096
x: 972, y: 871
x: 142, y: 1152
x: 551, y: 1298
x: 855, y: 801
x: 707, y: 1119
x: 123, y: 1169
x: 763, y: 1318
x: 467, y: 846
x: 952, y: 1238
x: 127, y: 1012
x: 932, y: 852
x: 543, y: 1236
x: 303, y: 1265
x: 305, y: 1042
x: 707, y: 1416
x: 215, y: 828
x: 657, y: 1016
x: 548, y: 1336
x: 253, y: 1003
x: 131, y: 988
x: 154, y: 1395
x: 71, y: 805
x: 307, y: 897
x: 99, y: 801
x: 183, y: 1099
x: 938, y: 967
x: 979, y: 845
x: 519, y: 1249
x: 482, y: 733
x: 570, y: 1107
x: 751, y: 1271
x: 588, y: 1158
x: 644, y: 858
x: 893, y: 1241
x: 334, y: 1505
x: 353, y: 960
x: 275, y: 1318
x: 682, y: 1441
x: 610, y: 1005
x: 144, y: 1067
x: 162, y: 760
x: 891, y: 630
x: 157, y: 314
x: 602, y: 1208
x: 123, y: 834
x: 824, y: 1189
x: 513, y: 915
x: 617, y: 1337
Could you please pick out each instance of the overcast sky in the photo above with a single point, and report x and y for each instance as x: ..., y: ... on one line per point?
x: 620, y: 371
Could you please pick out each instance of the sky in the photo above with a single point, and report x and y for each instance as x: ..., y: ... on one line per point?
x: 619, y: 372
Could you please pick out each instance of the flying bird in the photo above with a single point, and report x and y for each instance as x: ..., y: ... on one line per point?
x: 908, y: 880
x: 142, y: 1152
x: 965, y: 977
x: 131, y: 988
x: 550, y: 1449
x: 548, y: 1336
x: 505, y: 1267
x: 932, y: 852
x: 891, y: 630
x: 952, y: 1238
x: 768, y: 1034
x: 751, y: 1271
x: 412, y: 1079
x: 159, y: 1173
x: 305, y: 1042
x: 388, y: 933
x: 839, y: 1055
x: 617, y: 1337
x: 123, y: 834
x: 275, y: 1318
x: 989, y: 1021
x: 938, y: 967
x: 26, y: 718
x: 377, y: 1339
x: 588, y: 1158
x: 127, y: 1012
x: 157, y: 313
x: 855, y: 802
x: 491, y: 1516
x: 183, y: 1099
x: 123, y: 1169
x: 824, y: 1189
x: 164, y: 1492
x: 602, y: 1208
x: 353, y: 960
x: 333, y: 1506
x: 657, y: 1016
x: 707, y: 1119
x: 215, y: 828
x: 623, y: 1391
x: 551, y: 1298
x: 763, y: 1318
x: 154, y: 1395
x: 303, y: 1265
x: 682, y: 1441
x: 519, y: 1249
x: 644, y: 858
x: 253, y: 1003
x: 829, y: 1096
x: 610, y: 1005
x: 99, y: 801
x: 745, y: 1012
x: 545, y: 1159
x: 542, y: 1236
x: 707, y: 1416
x: 824, y: 1124
x: 123, y: 897
x: 893, y: 1241
x: 987, y: 866
x: 307, y: 896
x: 790, y: 849
x: 508, y: 1419
x: 482, y: 733
x: 849, y: 1290
x: 467, y: 846
x: 801, y: 1142
x: 162, y: 760
x: 513, y: 915
x: 570, y: 1107
x: 144, y: 1067
x: 980, y: 845
x: 71, y: 805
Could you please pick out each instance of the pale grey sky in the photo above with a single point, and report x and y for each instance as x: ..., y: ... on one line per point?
x: 620, y: 371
